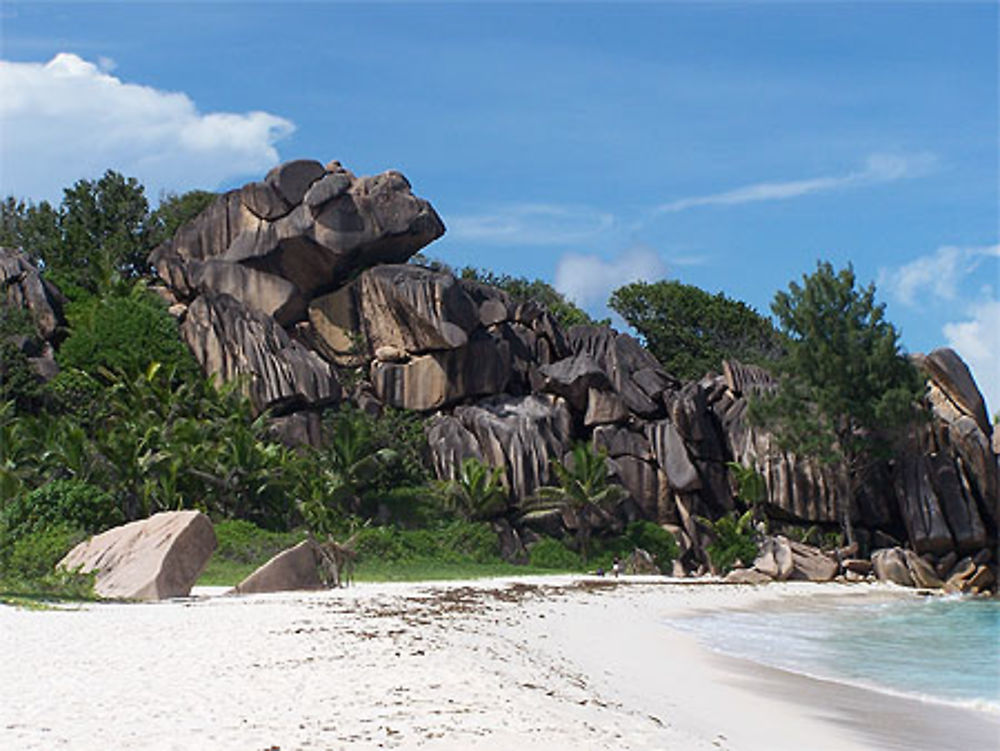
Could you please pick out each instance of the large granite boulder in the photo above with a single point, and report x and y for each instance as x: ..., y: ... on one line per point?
x: 303, y: 231
x: 633, y: 371
x: 292, y: 569
x: 437, y: 379
x: 21, y: 286
x: 889, y: 565
x: 811, y: 564
x: 233, y: 341
x: 573, y: 378
x: 671, y: 454
x: 151, y: 559
x: 520, y: 434
x: 775, y: 558
x: 415, y: 309
x: 949, y: 373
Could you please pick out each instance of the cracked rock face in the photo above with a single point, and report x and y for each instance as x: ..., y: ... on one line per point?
x: 305, y: 229
x: 260, y: 261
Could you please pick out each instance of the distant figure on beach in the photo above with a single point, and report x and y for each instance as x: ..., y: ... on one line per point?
x: 616, y: 566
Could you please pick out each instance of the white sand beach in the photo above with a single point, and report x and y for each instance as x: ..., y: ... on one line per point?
x: 541, y: 662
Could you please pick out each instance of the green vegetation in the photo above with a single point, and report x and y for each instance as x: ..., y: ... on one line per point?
x: 584, y: 493
x: 691, y: 331
x: 733, y: 540
x: 124, y: 334
x: 476, y: 492
x: 846, y: 386
x: 522, y: 289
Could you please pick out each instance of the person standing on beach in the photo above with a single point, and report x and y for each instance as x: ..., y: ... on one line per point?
x: 616, y: 566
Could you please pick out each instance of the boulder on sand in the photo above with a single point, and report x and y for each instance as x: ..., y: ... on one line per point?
x: 291, y: 569
x: 149, y: 559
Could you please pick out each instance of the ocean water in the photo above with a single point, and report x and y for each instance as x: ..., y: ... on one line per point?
x: 941, y: 649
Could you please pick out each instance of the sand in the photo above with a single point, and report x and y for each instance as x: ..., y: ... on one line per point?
x: 533, y: 663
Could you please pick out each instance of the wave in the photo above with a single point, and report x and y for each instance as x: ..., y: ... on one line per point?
x: 943, y: 652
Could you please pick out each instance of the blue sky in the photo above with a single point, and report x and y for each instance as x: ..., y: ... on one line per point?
x: 727, y: 145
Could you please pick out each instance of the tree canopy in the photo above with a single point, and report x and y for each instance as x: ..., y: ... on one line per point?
x: 99, y: 235
x: 691, y: 331
x: 845, y: 383
x: 522, y: 289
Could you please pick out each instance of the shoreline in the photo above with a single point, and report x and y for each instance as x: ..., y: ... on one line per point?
x: 534, y: 662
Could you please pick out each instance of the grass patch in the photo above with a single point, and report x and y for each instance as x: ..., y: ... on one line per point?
x: 241, y: 548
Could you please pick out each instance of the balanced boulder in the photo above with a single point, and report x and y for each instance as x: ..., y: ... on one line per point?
x: 149, y: 559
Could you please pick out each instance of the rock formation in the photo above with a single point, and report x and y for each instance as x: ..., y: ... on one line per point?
x: 149, y: 559
x: 247, y: 270
x: 287, y: 280
x: 23, y: 288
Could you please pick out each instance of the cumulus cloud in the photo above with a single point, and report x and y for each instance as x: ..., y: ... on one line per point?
x: 939, y: 273
x: 589, y: 280
x: 530, y: 224
x: 878, y: 168
x: 977, y: 340
x: 951, y: 283
x: 70, y: 118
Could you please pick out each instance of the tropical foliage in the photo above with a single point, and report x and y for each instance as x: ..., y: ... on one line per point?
x: 477, y: 491
x: 733, y: 540
x: 846, y: 385
x: 585, y: 493
x: 691, y: 331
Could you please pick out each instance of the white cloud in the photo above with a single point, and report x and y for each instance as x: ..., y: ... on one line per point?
x: 589, y: 280
x: 530, y: 224
x: 69, y: 118
x: 878, y: 168
x: 977, y: 340
x: 939, y: 273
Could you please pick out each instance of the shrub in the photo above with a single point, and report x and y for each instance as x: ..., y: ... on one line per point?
x: 733, y: 541
x: 457, y: 542
x: 35, y: 555
x: 69, y: 502
x: 551, y: 553
x: 124, y: 334
x: 655, y: 540
x: 243, y: 542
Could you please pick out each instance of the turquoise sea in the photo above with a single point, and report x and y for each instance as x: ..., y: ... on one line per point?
x: 941, y: 649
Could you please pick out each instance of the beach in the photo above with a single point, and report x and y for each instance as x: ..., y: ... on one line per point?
x: 530, y: 663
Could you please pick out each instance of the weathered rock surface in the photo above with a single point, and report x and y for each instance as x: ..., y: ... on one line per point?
x: 890, y: 565
x: 150, y: 559
x: 21, y: 286
x: 279, y: 279
x: 573, y: 378
x: 604, y: 408
x: 415, y: 309
x: 292, y: 569
x: 633, y: 372
x: 312, y: 228
x: 921, y: 571
x: 811, y: 564
x: 747, y: 576
x: 672, y: 456
x: 775, y: 558
x: 232, y: 341
x: 641, y: 563
x: 521, y: 434
x: 437, y: 379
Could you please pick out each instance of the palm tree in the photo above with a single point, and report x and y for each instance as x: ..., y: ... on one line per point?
x: 476, y: 492
x: 584, y: 493
x: 342, y: 475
